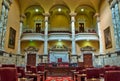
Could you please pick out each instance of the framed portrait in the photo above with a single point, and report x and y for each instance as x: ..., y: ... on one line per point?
x: 12, y: 36
x: 108, y: 40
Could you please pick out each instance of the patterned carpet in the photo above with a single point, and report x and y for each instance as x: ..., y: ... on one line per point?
x: 59, y: 79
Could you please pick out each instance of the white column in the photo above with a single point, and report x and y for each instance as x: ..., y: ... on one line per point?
x: 101, y: 51
x: 73, y: 33
x: 46, y: 34
x: 20, y: 30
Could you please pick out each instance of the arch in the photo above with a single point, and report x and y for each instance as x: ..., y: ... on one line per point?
x: 88, y: 7
x: 33, y: 7
x: 85, y: 15
x: 34, y: 14
x: 59, y: 19
x: 58, y: 6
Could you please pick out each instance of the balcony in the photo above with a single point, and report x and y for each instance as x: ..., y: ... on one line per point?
x: 32, y: 36
x: 60, y: 35
x: 86, y: 36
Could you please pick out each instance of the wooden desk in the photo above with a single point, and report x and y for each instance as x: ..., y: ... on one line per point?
x: 22, y: 79
x: 36, y: 77
x: 75, y: 75
x: 59, y: 71
x: 25, y: 79
x: 42, y: 74
x: 81, y: 77
x: 93, y: 79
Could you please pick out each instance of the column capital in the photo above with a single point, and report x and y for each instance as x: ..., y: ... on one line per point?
x: 22, y: 16
x: 72, y: 17
x: 7, y: 3
x: 113, y: 2
x: 97, y: 15
x: 73, y: 14
x: 46, y: 14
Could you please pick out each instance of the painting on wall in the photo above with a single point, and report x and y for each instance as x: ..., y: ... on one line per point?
x: 108, y: 40
x: 12, y: 35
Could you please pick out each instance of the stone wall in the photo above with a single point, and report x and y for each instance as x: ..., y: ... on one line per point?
x: 107, y: 59
x: 20, y: 60
x: 7, y: 58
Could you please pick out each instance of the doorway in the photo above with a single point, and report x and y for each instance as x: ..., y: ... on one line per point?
x: 87, y: 59
x: 81, y: 27
x: 31, y: 59
x: 38, y: 27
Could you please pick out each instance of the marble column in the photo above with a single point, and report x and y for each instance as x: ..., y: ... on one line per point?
x: 1, y: 26
x: 73, y: 32
x: 46, y: 34
x: 3, y: 21
x: 4, y: 28
x: 101, y: 51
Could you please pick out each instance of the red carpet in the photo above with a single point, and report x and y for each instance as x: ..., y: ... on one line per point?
x: 59, y: 79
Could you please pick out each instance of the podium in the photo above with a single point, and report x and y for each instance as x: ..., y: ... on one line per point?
x: 59, y: 60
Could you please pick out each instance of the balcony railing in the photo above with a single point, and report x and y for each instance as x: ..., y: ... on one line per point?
x: 31, y: 34
x: 59, y: 36
x: 86, y: 31
x: 59, y: 30
x: 32, y: 30
x: 86, y: 36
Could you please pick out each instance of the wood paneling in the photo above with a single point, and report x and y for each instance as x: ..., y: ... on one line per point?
x: 88, y: 62
x: 31, y: 59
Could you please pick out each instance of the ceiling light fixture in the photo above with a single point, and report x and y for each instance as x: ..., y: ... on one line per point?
x: 82, y: 9
x: 36, y: 10
x: 59, y: 9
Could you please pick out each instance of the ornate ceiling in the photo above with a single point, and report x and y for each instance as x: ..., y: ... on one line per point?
x: 72, y: 5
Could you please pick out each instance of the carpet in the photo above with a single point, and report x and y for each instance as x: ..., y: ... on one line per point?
x: 58, y: 79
